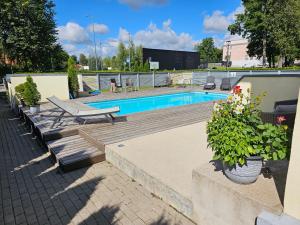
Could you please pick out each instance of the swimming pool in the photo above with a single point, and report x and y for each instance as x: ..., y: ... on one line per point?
x: 142, y: 104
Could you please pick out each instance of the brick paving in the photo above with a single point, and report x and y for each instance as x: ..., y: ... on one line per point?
x: 34, y: 191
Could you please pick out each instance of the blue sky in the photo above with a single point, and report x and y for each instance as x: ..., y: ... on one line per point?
x: 166, y: 24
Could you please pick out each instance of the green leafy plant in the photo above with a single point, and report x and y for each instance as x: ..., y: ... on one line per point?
x: 236, y: 131
x: 19, y: 89
x: 72, y: 77
x: 31, y: 95
x: 272, y: 138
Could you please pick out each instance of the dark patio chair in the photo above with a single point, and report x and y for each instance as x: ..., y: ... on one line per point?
x: 210, y: 83
x: 225, y: 85
x: 287, y: 109
x: 118, y: 87
x: 168, y: 81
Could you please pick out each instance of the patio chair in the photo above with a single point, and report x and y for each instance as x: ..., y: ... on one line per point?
x: 168, y: 81
x: 81, y: 111
x: 225, y: 84
x: 118, y: 87
x: 129, y: 85
x: 210, y: 83
x: 288, y: 109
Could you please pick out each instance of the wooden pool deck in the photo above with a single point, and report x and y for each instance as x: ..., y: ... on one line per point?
x: 75, y: 145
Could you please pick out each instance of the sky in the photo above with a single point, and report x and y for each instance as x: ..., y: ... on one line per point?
x: 164, y: 24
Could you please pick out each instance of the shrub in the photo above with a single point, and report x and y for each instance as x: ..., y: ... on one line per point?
x: 72, y: 77
x: 20, y: 91
x: 237, y: 132
x: 31, y: 95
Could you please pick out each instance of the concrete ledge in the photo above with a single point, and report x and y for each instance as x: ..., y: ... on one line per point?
x: 217, y: 200
x: 266, y: 218
x: 154, y: 185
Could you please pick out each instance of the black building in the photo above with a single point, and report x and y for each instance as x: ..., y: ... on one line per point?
x: 169, y: 59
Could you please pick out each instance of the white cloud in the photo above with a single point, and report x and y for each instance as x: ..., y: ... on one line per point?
x: 75, y: 49
x: 136, y: 4
x: 99, y: 28
x: 218, y: 22
x: 123, y: 35
x: 73, y: 33
x: 164, y: 38
x: 69, y: 48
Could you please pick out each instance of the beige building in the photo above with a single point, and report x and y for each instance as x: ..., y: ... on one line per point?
x: 236, y: 51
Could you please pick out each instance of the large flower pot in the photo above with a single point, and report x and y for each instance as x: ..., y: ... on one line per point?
x: 245, y: 174
x: 34, y: 109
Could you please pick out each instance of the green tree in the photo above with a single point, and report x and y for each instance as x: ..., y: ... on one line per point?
x: 138, y: 59
x: 72, y: 77
x: 83, y: 60
x: 107, y: 62
x: 146, y: 66
x: 28, y: 32
x: 131, y: 54
x: 114, y: 63
x: 271, y: 27
x: 74, y: 58
x: 208, y: 52
x: 59, y: 59
x: 92, y: 62
x: 122, y: 57
x: 283, y: 21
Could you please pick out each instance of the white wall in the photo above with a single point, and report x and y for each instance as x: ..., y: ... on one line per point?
x: 292, y: 188
x: 47, y: 85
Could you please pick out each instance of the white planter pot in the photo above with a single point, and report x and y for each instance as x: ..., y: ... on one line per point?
x: 34, y: 109
x: 245, y: 174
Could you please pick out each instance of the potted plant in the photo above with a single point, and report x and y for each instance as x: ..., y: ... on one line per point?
x: 19, y: 89
x: 31, y: 95
x: 239, y: 138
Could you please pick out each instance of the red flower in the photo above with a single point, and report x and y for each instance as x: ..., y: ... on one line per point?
x: 237, y: 90
x: 280, y: 119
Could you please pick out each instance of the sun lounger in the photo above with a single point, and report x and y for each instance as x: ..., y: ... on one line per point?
x: 81, y: 111
x: 210, y: 83
x: 225, y: 85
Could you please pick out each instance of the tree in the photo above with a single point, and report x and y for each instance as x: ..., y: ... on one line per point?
x: 138, y: 59
x: 131, y: 52
x: 146, y: 66
x: 107, y: 62
x: 74, y: 58
x: 92, y: 62
x: 28, y: 33
x: 122, y: 56
x: 59, y: 59
x: 283, y: 21
x: 208, y: 52
x: 271, y: 27
x: 114, y: 63
x: 30, y: 93
x: 83, y: 60
x: 72, y: 77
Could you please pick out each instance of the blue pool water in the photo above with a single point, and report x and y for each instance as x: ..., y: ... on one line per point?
x: 142, y: 104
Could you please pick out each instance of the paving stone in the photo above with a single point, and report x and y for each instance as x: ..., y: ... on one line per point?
x: 34, y: 192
